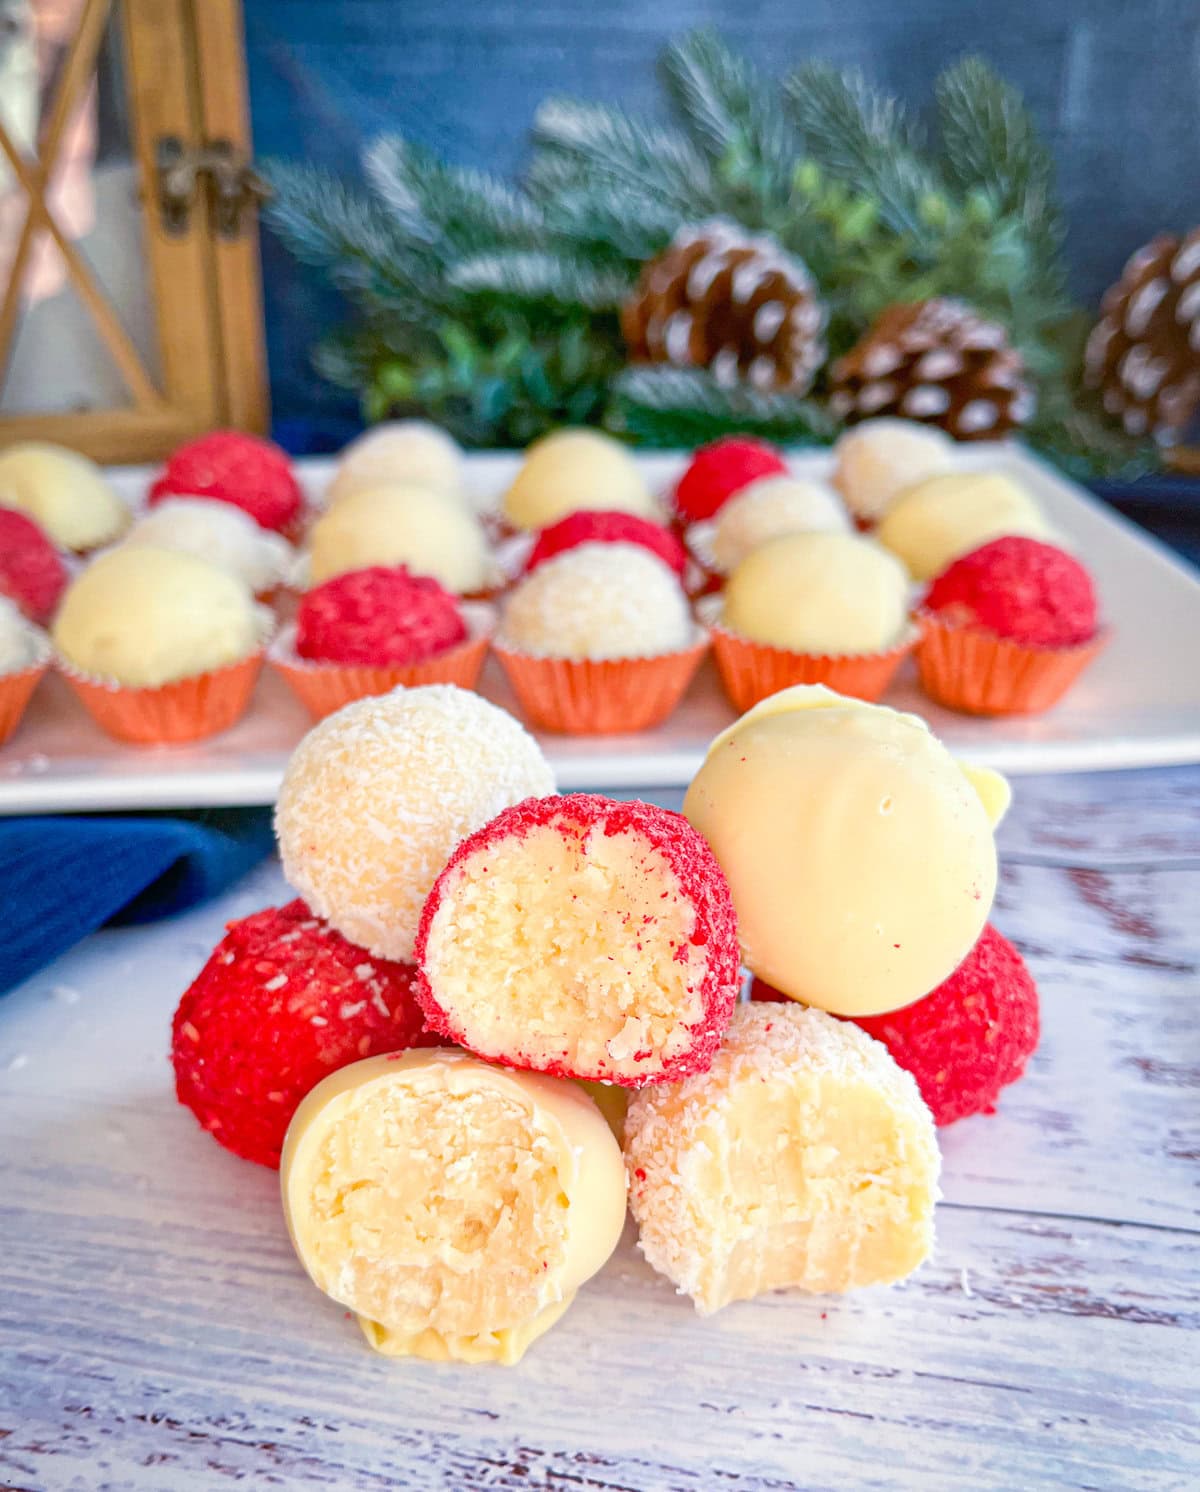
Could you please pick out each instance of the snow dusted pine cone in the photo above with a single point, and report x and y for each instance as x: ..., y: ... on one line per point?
x: 730, y: 301
x: 1144, y: 352
x: 939, y: 362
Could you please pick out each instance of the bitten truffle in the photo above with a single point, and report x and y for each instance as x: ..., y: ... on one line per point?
x: 719, y: 470
x: 231, y: 467
x: 453, y: 1207
x: 282, y: 1002
x: 1020, y: 588
x: 585, y: 938
x: 375, y: 798
x: 803, y: 1159
x: 378, y: 616
x: 972, y: 1036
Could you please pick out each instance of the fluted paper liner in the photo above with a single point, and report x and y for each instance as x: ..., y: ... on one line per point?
x: 325, y: 687
x: 971, y: 670
x: 186, y: 710
x: 602, y: 696
x: 16, y: 690
x: 750, y: 671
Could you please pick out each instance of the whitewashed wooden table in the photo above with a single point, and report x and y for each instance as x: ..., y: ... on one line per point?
x: 156, y: 1332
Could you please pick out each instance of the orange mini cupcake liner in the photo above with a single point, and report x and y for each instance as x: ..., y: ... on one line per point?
x: 971, y: 670
x: 16, y: 690
x: 325, y: 687
x: 601, y: 696
x: 750, y: 671
x: 190, y: 709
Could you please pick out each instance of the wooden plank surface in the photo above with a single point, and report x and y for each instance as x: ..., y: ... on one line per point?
x: 156, y: 1333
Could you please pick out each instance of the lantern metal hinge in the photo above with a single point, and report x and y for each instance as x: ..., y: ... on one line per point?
x: 233, y: 186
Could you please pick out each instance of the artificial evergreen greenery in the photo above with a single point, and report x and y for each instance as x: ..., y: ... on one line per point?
x: 493, y: 306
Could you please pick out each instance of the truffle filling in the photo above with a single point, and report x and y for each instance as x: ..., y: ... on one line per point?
x: 440, y: 1211
x: 570, y: 948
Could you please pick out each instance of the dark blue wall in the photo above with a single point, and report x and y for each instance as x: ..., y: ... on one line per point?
x: 1114, y: 83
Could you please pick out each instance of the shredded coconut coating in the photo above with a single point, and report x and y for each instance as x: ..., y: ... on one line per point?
x: 618, y: 963
x: 769, y: 508
x: 219, y: 532
x: 875, y: 461
x: 804, y: 1158
x: 598, y: 601
x: 376, y: 797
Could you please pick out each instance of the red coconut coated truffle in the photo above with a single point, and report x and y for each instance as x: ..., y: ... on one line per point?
x: 254, y: 475
x: 378, y: 616
x: 32, y: 573
x: 584, y: 938
x: 282, y: 1001
x: 972, y: 1036
x: 719, y: 470
x: 1019, y: 588
x: 590, y: 527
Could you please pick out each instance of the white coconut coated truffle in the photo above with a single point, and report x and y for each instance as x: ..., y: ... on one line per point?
x: 376, y: 797
x: 770, y: 507
x: 21, y: 644
x: 875, y: 461
x: 598, y: 601
x: 219, y: 533
x: 413, y: 452
x: 401, y: 525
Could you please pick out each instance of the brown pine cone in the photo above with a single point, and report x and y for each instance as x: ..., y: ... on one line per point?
x: 939, y: 362
x: 735, y: 303
x: 1144, y: 352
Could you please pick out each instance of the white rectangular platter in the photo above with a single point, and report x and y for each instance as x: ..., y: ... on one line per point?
x: 1139, y: 704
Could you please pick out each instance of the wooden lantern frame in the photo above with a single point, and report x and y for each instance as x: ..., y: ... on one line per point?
x: 185, y: 67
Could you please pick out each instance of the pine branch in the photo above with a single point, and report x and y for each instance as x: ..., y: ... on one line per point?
x: 598, y: 220
x: 734, y: 114
x: 864, y: 140
x: 328, y: 224
x: 462, y: 208
x: 685, y: 406
x: 587, y: 144
x: 537, y: 275
x: 991, y: 144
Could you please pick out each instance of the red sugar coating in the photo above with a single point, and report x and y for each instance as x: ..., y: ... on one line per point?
x: 32, y: 572
x: 378, y: 616
x: 282, y: 1001
x: 719, y: 470
x: 1019, y: 588
x: 699, y: 879
x: 968, y: 1039
x: 252, y: 474
x: 590, y: 527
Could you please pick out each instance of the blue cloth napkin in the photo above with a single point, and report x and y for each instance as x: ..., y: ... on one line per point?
x: 62, y: 878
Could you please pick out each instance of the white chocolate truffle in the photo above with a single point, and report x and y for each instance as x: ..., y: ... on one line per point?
x: 937, y: 521
x: 455, y: 1207
x: 376, y: 797
x: 395, y: 525
x: 410, y: 453
x: 859, y: 854
x: 818, y: 593
x: 875, y: 461
x: 575, y: 470
x: 64, y: 492
x: 768, y: 509
x: 804, y: 1159
x: 598, y: 601
x: 144, y: 617
x: 21, y: 643
x: 217, y: 532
